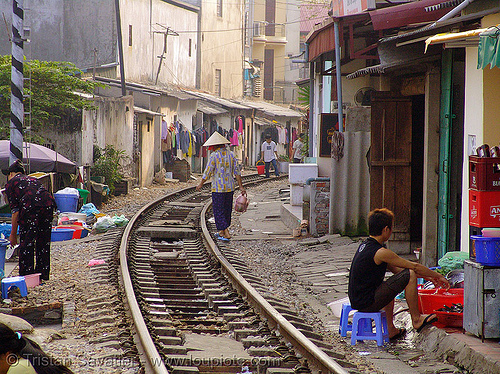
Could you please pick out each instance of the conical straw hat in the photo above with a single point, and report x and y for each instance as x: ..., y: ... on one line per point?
x: 216, y: 139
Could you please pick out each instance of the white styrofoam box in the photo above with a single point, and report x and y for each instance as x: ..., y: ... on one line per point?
x: 336, y: 306
x: 300, y: 173
x: 296, y: 193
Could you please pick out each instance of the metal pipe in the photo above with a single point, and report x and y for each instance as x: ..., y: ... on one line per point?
x: 311, y: 107
x: 339, y: 76
x: 120, y: 46
x: 452, y: 13
x: 340, y: 116
x: 317, y: 179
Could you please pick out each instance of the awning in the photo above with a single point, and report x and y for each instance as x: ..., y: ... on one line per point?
x: 208, y: 108
x: 264, y: 121
x: 488, y: 51
x: 414, y: 12
x: 146, y: 111
x: 383, y: 68
x: 455, y: 39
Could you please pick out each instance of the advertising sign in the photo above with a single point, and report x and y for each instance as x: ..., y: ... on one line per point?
x: 349, y: 7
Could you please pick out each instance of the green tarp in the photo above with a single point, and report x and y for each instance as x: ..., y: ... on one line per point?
x: 489, y: 49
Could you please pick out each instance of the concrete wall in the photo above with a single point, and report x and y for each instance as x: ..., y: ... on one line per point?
x: 473, y: 126
x: 112, y: 124
x: 319, y: 208
x: 148, y: 20
x: 66, y: 30
x: 223, y: 48
x: 146, y: 127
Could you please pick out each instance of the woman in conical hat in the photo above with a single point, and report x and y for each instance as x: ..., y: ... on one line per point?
x: 223, y: 168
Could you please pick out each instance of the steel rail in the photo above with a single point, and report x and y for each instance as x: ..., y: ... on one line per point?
x: 320, y: 359
x: 154, y: 360
x: 153, y: 357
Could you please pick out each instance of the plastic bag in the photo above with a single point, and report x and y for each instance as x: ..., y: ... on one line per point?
x: 89, y: 209
x: 103, y: 224
x: 69, y: 191
x: 453, y: 260
x: 241, y: 204
x: 120, y: 220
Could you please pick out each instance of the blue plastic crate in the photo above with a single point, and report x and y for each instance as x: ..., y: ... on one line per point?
x: 487, y: 250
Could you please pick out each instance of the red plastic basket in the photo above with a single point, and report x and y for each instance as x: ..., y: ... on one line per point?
x: 431, y: 300
x: 449, y: 319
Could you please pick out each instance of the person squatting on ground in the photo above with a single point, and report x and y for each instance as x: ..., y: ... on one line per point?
x: 32, y: 208
x: 269, y: 155
x: 298, y: 146
x: 368, y: 292
x: 223, y: 167
x: 20, y: 355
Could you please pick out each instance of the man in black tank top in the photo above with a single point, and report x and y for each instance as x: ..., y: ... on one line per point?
x: 368, y: 292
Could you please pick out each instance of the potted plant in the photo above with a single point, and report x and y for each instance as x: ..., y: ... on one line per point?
x: 283, y: 162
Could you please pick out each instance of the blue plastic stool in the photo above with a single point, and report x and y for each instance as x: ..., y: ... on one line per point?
x: 344, y: 320
x: 19, y: 282
x: 362, y: 330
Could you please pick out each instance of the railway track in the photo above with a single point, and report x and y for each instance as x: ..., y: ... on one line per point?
x: 196, y: 306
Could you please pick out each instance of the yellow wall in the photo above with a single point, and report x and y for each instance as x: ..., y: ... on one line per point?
x: 491, y: 95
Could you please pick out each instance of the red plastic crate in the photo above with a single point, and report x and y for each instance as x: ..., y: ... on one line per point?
x: 431, y: 300
x: 483, y: 173
x: 484, y: 208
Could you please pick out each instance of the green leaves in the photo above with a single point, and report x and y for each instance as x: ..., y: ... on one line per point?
x: 51, y: 92
x: 107, y: 164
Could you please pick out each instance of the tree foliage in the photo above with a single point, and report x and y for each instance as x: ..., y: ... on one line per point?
x: 52, y: 92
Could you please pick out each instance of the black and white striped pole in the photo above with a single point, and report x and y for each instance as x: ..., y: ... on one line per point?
x: 16, y: 85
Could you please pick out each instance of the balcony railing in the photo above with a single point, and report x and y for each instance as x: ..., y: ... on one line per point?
x: 265, y: 30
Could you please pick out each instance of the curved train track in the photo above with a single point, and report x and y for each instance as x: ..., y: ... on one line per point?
x: 192, y: 299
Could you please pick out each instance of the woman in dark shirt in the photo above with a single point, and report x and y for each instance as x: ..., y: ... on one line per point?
x: 368, y: 292
x: 32, y: 209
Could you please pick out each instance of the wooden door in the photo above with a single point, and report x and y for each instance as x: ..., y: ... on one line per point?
x: 390, y: 159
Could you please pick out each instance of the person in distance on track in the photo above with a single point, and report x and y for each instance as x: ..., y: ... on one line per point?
x: 223, y: 167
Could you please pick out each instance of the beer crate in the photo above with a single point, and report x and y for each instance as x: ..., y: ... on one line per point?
x: 484, y: 173
x: 484, y: 208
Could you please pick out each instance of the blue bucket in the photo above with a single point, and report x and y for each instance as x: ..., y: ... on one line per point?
x: 59, y: 235
x: 66, y: 202
x: 3, y: 248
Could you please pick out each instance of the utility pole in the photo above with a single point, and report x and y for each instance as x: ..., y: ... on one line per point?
x: 120, y: 46
x: 165, y: 33
x: 17, y: 83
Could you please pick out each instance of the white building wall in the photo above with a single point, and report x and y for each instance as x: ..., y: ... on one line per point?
x: 222, y: 47
x: 473, y: 126
x: 149, y: 19
x: 292, y: 48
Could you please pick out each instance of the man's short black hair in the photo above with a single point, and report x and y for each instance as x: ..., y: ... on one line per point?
x: 268, y: 136
x: 301, y: 135
x: 378, y: 219
x: 16, y: 167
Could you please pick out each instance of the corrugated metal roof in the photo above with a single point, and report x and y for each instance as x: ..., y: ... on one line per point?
x: 271, y: 109
x: 383, y: 68
x: 209, y: 108
x: 217, y: 100
x: 147, y: 90
x: 407, y: 14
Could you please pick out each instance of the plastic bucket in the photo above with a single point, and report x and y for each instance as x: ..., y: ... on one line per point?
x: 66, y: 203
x: 58, y: 235
x: 261, y: 169
x: 83, y: 194
x: 3, y: 249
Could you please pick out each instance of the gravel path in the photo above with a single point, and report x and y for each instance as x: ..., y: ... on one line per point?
x: 71, y: 284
